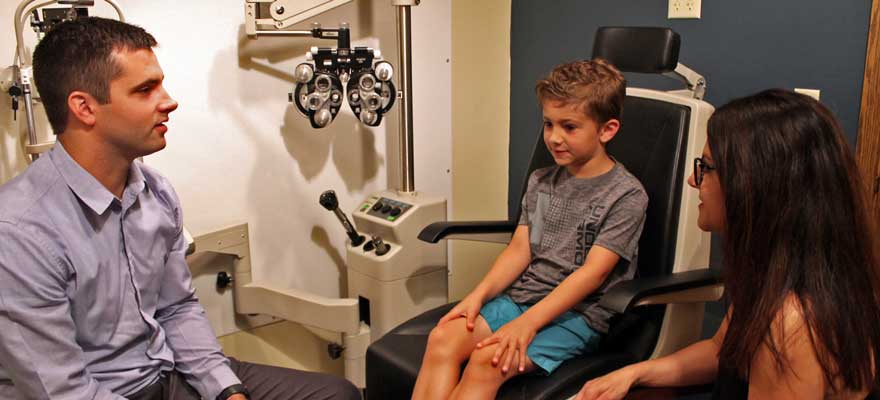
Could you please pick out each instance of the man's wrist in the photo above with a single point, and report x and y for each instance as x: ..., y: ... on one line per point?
x: 237, y: 389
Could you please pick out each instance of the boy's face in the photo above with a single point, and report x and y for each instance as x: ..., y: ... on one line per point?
x: 575, y: 140
x: 133, y: 121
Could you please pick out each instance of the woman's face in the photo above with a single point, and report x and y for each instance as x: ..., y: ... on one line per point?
x: 712, y: 213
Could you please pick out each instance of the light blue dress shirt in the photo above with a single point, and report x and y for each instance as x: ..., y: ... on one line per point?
x: 96, y: 299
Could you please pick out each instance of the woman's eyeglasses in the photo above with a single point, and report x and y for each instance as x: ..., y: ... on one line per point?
x: 700, y: 168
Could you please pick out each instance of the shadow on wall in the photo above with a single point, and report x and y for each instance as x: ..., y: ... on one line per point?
x: 353, y: 147
x: 322, y: 240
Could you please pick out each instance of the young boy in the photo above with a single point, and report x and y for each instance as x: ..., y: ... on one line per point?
x: 578, y: 235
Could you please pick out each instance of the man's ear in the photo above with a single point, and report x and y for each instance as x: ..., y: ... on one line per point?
x: 608, y: 130
x: 82, y: 106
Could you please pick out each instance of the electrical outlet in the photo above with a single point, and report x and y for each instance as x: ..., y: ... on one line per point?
x: 684, y: 9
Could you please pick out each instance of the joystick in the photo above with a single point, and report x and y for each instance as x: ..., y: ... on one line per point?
x: 329, y: 201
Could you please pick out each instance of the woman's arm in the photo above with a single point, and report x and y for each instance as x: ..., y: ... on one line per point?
x: 694, y: 365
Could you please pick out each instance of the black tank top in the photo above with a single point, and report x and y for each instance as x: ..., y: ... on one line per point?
x: 728, y: 385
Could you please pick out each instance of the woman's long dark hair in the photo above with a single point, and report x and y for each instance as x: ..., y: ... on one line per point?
x: 797, y: 224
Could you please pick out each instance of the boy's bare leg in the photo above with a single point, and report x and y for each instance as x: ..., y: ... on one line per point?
x: 449, y: 344
x: 481, y: 379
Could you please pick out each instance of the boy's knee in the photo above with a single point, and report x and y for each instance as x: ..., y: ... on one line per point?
x: 480, y: 365
x: 442, y: 339
x: 483, y: 357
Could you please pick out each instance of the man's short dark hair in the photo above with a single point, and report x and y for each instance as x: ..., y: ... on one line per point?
x: 78, y: 55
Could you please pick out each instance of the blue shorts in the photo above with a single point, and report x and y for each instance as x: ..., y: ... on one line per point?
x: 564, y: 338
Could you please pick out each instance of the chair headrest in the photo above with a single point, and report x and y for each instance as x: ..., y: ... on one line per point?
x: 638, y: 49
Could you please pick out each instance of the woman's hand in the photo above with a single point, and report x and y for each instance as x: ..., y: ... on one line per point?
x: 613, y: 386
x: 513, y: 340
x: 469, y: 308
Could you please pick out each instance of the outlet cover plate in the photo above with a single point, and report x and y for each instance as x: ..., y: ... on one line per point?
x: 684, y: 9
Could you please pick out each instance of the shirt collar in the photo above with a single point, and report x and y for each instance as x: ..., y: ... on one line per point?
x: 87, y: 187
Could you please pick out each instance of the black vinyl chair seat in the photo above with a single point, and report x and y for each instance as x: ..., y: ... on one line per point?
x: 400, y: 353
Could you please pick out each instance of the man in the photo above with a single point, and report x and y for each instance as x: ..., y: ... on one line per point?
x: 96, y: 300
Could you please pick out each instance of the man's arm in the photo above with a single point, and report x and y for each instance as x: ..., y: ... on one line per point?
x: 197, y: 355
x: 37, y: 344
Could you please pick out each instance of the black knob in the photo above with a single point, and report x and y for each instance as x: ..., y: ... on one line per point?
x: 377, y: 206
x: 396, y: 211
x: 334, y: 350
x: 382, y: 248
x: 15, y: 91
x: 386, y: 209
x: 328, y: 200
x: 223, y: 280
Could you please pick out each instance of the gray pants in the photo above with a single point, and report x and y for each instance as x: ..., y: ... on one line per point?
x: 263, y: 381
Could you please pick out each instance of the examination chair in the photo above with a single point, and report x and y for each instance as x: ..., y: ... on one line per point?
x: 661, y: 310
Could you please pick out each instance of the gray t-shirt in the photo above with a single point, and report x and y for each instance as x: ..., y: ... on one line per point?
x: 566, y: 217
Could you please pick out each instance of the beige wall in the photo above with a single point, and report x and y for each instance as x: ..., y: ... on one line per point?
x: 480, y: 125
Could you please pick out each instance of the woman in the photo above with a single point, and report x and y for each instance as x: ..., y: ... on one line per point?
x: 778, y: 182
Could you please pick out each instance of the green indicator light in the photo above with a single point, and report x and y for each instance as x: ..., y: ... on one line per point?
x: 392, y: 218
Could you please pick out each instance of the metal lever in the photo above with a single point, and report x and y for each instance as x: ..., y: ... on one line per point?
x: 382, y: 248
x: 329, y: 201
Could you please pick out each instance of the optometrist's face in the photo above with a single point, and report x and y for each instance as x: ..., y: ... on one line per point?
x: 133, y: 122
x: 712, y: 216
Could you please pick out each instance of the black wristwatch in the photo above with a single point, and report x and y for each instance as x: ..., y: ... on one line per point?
x: 234, y: 389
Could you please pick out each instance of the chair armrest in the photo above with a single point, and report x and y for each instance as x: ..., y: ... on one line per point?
x: 683, y: 287
x: 487, y: 231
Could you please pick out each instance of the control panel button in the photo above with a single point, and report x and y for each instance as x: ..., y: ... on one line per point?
x: 388, y: 209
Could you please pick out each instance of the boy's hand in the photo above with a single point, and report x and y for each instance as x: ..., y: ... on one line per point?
x: 469, y: 308
x: 513, y: 340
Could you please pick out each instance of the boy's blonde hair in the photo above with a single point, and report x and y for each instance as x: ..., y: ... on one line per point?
x: 596, y: 85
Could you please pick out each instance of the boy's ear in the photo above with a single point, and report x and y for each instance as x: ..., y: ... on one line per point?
x: 608, y: 130
x: 83, y: 107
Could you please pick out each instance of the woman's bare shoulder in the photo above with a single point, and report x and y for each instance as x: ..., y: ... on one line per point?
x: 798, y: 366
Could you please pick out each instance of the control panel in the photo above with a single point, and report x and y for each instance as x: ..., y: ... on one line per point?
x: 386, y: 208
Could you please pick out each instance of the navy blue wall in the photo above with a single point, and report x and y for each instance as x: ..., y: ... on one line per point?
x: 740, y: 46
